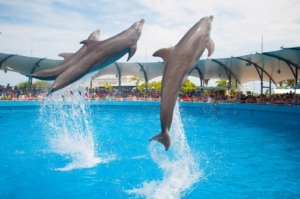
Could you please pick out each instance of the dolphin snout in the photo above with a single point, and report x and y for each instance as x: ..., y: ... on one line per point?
x: 138, y: 25
x: 211, y: 17
x: 142, y: 21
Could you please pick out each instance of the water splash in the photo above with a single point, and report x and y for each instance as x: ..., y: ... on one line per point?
x: 66, y: 118
x: 180, y: 170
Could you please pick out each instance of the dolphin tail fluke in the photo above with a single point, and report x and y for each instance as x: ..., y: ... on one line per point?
x: 163, y: 138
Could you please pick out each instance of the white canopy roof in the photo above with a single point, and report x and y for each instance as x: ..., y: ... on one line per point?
x: 272, y: 67
x: 269, y: 66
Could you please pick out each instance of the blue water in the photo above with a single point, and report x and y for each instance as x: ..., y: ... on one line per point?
x: 76, y: 149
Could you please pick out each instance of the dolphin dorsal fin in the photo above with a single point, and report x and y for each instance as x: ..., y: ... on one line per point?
x: 94, y: 35
x: 164, y: 53
x: 88, y: 42
x: 66, y: 55
x: 131, y: 51
x: 210, y: 47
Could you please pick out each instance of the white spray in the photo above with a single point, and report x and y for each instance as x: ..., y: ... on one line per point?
x: 180, y: 170
x: 66, y: 118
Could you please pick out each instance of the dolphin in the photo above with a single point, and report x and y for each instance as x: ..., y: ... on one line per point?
x: 99, y: 54
x: 179, y: 60
x: 51, y: 74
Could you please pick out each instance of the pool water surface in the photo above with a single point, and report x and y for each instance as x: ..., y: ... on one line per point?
x: 102, y: 150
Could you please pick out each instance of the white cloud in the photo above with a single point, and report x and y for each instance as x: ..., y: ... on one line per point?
x: 47, y: 28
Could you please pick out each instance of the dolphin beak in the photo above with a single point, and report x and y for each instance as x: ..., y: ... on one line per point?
x: 142, y: 22
x: 138, y: 25
x: 211, y: 18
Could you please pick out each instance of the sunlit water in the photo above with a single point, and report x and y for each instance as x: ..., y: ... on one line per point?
x: 77, y: 149
x: 69, y: 128
x: 180, y: 170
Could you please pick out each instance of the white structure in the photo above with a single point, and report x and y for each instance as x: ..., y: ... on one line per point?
x: 113, y: 81
x: 246, y: 90
x: 267, y: 67
x: 288, y: 90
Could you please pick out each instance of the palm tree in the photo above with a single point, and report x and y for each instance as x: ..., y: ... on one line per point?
x: 108, y: 86
x: 137, y: 80
x: 222, y: 83
x: 287, y: 83
x: 188, y: 86
x: 225, y: 83
x: 290, y: 82
x: 155, y: 86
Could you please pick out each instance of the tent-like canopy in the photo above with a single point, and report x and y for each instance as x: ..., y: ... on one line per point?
x: 271, y: 67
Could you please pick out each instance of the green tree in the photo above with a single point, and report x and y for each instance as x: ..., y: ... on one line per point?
x: 288, y: 83
x: 188, y: 86
x: 23, y: 85
x: 281, y: 84
x: 222, y: 83
x: 142, y: 87
x: 225, y: 83
x: 41, y: 85
x: 156, y: 86
x: 153, y: 86
x: 108, y: 86
x: 137, y: 80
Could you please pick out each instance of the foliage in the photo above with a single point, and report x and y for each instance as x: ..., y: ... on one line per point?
x: 222, y: 83
x: 24, y: 85
x: 156, y: 86
x: 142, y: 87
x: 287, y: 83
x: 108, y: 86
x: 137, y: 80
x: 225, y: 83
x: 38, y: 85
x: 188, y: 86
x: 153, y: 86
x: 41, y: 85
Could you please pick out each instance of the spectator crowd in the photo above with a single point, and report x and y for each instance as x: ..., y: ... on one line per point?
x: 126, y: 94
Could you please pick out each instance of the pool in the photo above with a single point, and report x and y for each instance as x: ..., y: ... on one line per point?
x: 101, y: 150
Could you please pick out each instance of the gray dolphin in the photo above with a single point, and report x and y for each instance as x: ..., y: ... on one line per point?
x: 52, y: 73
x: 99, y: 54
x: 178, y: 61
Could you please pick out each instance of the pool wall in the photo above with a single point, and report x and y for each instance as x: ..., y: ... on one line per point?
x: 254, y: 111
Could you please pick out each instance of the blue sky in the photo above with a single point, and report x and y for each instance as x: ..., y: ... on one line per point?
x: 47, y: 28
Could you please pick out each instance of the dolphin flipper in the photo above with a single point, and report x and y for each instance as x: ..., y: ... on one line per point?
x: 163, y: 138
x: 164, y: 53
x: 210, y: 45
x: 131, y: 51
x: 49, y: 74
x: 66, y: 55
x: 88, y: 42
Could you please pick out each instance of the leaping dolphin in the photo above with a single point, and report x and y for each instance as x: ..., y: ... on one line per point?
x: 99, y: 54
x: 178, y: 62
x: 52, y: 73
